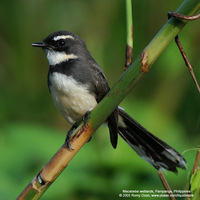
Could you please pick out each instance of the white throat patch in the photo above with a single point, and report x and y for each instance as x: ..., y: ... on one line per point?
x: 55, y: 57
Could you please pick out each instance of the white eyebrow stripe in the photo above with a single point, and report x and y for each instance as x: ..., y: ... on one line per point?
x: 59, y: 37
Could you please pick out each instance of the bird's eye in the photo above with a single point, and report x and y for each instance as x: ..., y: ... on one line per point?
x: 61, y: 43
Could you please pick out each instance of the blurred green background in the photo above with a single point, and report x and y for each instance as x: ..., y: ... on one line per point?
x: 165, y: 101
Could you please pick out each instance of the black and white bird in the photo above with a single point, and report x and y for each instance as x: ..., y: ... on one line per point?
x: 77, y: 84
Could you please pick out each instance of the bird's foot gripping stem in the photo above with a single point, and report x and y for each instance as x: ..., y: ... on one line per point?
x: 68, y: 137
x: 86, y: 117
x: 70, y: 132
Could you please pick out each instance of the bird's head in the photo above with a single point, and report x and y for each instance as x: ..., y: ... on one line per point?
x: 61, y: 46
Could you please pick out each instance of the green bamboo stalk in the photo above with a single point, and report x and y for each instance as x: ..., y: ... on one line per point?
x: 129, y: 23
x: 129, y: 34
x: 142, y: 63
x: 194, y: 186
x: 124, y: 85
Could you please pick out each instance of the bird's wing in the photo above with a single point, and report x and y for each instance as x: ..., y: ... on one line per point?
x: 102, y: 88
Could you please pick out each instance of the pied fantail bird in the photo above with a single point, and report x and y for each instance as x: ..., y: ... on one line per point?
x: 77, y: 84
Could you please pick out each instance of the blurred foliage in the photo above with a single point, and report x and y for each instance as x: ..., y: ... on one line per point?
x: 166, y: 101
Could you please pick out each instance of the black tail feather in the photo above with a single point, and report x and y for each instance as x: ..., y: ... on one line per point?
x: 149, y: 147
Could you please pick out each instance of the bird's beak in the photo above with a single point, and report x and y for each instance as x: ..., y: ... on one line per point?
x: 39, y: 44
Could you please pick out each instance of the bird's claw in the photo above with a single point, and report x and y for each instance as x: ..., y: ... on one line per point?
x: 68, y: 145
x: 86, y: 117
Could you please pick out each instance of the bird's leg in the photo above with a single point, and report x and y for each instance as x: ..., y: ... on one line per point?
x: 85, y: 119
x: 69, y: 134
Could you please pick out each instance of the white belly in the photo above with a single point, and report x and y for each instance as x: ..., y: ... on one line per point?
x: 71, y: 98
